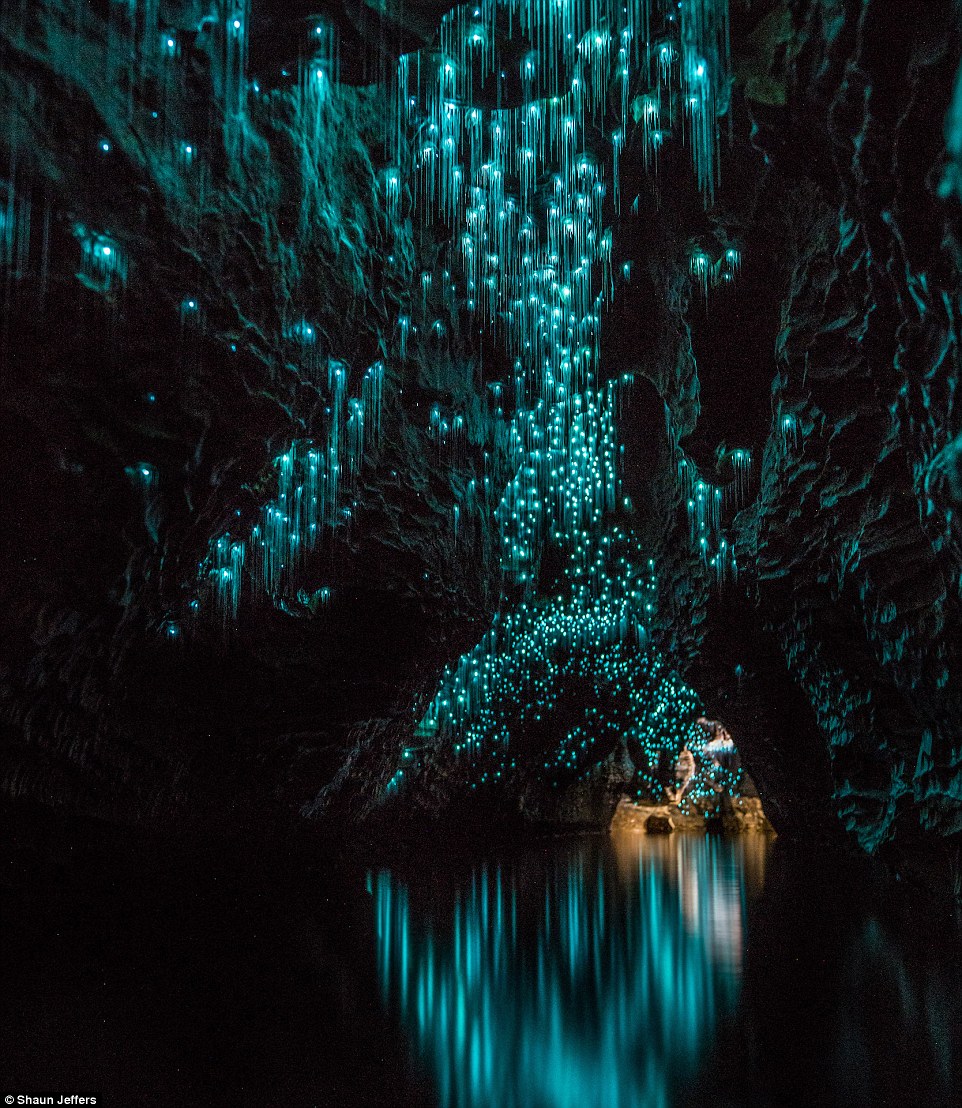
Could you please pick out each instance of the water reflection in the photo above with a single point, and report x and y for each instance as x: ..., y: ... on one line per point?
x: 589, y: 976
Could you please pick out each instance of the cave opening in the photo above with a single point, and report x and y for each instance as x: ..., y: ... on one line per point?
x: 473, y: 473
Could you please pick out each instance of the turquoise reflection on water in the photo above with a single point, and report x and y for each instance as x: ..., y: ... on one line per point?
x: 590, y: 975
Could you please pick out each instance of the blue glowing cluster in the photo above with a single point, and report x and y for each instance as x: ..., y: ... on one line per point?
x: 312, y: 480
x: 524, y: 192
x: 711, y: 271
x: 558, y: 682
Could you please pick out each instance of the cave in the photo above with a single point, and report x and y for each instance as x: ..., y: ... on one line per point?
x: 481, y: 549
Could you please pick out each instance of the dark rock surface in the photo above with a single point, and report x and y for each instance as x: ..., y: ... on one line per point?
x: 113, y: 702
x: 854, y: 534
x: 659, y: 825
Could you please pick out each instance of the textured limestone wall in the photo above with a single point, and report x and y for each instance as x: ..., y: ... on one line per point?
x: 144, y: 413
x: 854, y: 534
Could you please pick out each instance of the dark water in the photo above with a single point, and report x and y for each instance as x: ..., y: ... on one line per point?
x: 637, y: 972
x: 581, y: 977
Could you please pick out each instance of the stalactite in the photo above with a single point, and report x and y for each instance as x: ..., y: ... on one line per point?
x: 705, y: 61
x: 741, y: 461
x: 788, y: 431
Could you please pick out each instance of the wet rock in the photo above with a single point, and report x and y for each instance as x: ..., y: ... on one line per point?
x: 658, y: 824
x: 743, y: 814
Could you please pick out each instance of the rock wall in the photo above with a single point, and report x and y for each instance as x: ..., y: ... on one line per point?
x: 148, y: 394
x: 853, y: 540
